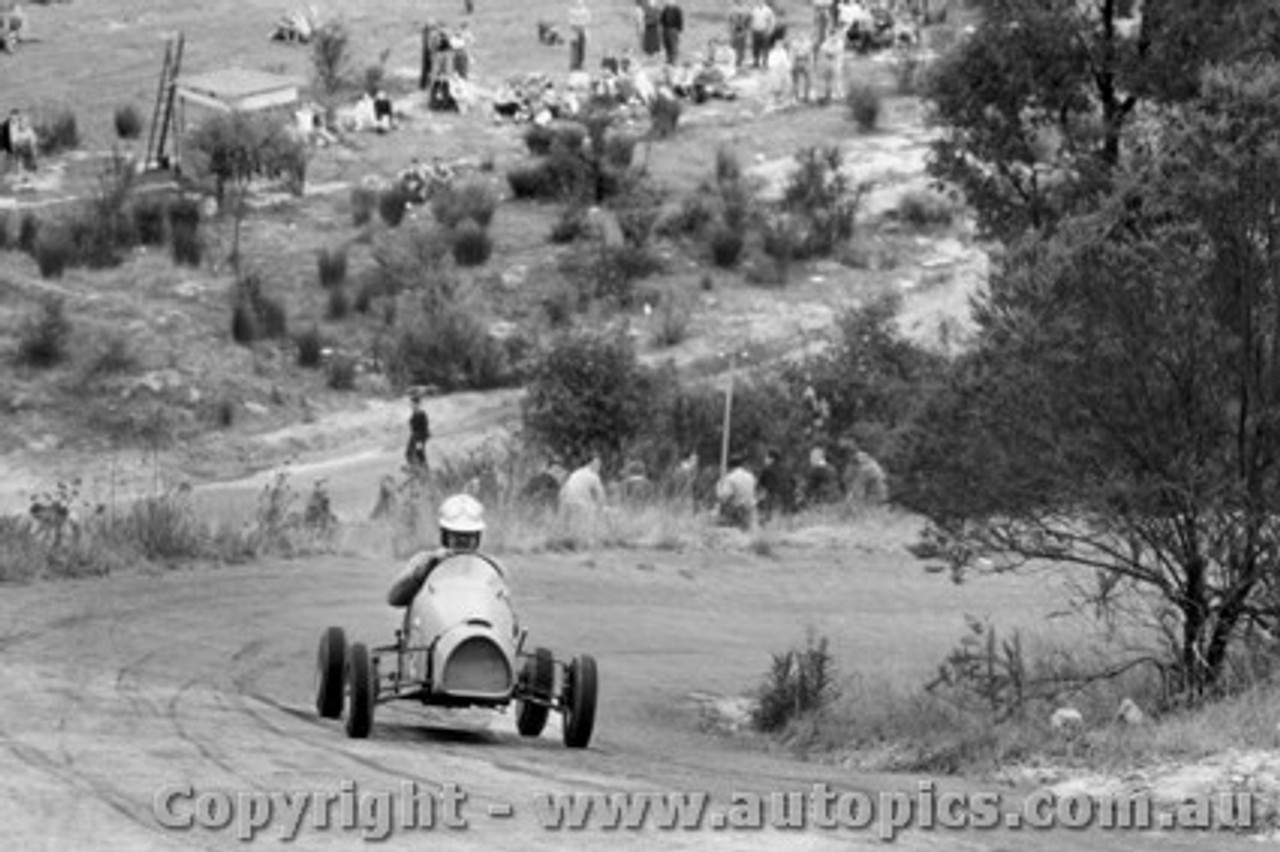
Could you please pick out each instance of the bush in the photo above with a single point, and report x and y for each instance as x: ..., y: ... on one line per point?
x: 111, y: 358
x: 541, y: 139
x: 800, y: 681
x: 42, y: 339
x: 341, y: 374
x: 474, y: 200
x: 449, y: 348
x: 128, y: 122
x: 588, y: 393
x: 28, y: 232
x: 728, y: 166
x: 925, y: 209
x: 820, y: 204
x: 149, y: 215
x: 5, y: 236
x: 363, y: 200
x: 864, y: 106
x: 620, y: 150
x: 339, y: 303
x: 184, y: 232
x: 310, y: 347
x: 571, y: 226
x: 393, y: 202
x: 561, y: 175
x: 55, y: 251
x: 674, y: 313
x: 332, y: 267
x: 330, y: 56
x: 472, y: 244
x: 164, y: 528
x: 726, y: 246
x: 58, y: 131
x: 254, y: 315
x: 664, y: 115
x: 611, y: 273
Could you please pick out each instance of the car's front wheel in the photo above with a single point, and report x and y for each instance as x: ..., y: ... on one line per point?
x: 581, y: 688
x: 361, y: 692
x: 331, y: 658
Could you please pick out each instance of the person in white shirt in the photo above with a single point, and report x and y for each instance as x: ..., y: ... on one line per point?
x: 736, y: 496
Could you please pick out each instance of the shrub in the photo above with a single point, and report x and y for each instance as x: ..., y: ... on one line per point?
x: 925, y: 209
x: 58, y: 131
x: 530, y: 181
x: 800, y: 681
x: 474, y: 200
x: 620, y: 150
x: 255, y: 315
x: 674, y: 313
x: 331, y: 55
x: 363, y: 200
x: 341, y: 374
x: 164, y: 528
x: 472, y: 244
x: 149, y: 215
x: 4, y: 232
x: 112, y: 357
x: 184, y: 232
x: 310, y: 347
x: 571, y: 226
x: 728, y: 166
x: 339, y: 303
x: 664, y: 115
x: 587, y: 393
x: 726, y: 246
x: 55, y: 251
x: 128, y: 122
x: 820, y: 202
x: 864, y: 106
x: 28, y: 231
x: 449, y: 348
x: 542, y: 139
x: 611, y: 273
x: 332, y: 267
x: 392, y: 204
x: 42, y: 339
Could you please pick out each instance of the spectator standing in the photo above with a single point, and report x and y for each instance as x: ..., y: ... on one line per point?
x: 651, y: 28
x: 739, y: 31
x: 582, y: 495
x: 419, y: 433
x: 822, y: 484
x: 762, y: 23
x: 865, y: 480
x: 672, y: 22
x: 777, y: 487
x: 579, y: 20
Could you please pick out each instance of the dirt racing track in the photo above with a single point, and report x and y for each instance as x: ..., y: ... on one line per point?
x: 116, y: 690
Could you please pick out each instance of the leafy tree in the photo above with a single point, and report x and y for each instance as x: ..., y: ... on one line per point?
x: 1043, y: 101
x: 1121, y: 411
x: 233, y: 148
x: 588, y: 394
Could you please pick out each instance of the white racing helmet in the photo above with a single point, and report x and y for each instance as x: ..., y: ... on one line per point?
x: 461, y: 513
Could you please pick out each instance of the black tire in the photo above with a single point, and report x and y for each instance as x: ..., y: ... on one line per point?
x: 331, y: 660
x: 540, y: 680
x: 361, y: 692
x: 581, y: 689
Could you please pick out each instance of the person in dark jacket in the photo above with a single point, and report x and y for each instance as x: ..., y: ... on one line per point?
x: 419, y: 432
x: 777, y: 487
x: 671, y: 20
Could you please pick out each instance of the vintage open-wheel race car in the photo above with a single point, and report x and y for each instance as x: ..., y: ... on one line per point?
x: 460, y: 646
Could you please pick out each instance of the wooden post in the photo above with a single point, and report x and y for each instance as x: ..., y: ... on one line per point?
x: 728, y: 420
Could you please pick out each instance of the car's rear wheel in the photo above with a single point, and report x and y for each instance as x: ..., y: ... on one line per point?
x: 361, y: 692
x: 331, y: 659
x: 581, y: 688
x: 540, y: 681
